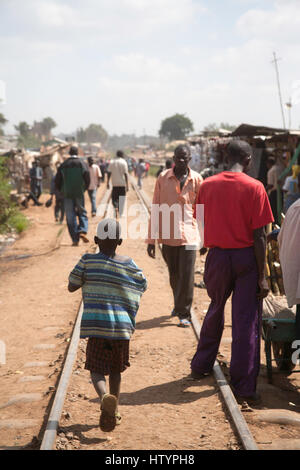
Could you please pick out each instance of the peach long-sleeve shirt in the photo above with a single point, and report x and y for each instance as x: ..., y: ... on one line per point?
x: 171, y: 221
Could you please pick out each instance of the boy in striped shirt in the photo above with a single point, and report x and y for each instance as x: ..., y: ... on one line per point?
x: 112, y: 286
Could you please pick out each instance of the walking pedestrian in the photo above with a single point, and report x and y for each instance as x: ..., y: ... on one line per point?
x: 236, y: 210
x: 36, y: 179
x: 72, y: 179
x: 112, y: 286
x: 95, y: 178
x: 140, y: 172
x: 162, y: 168
x: 290, y: 188
x: 118, y: 172
x: 176, y: 189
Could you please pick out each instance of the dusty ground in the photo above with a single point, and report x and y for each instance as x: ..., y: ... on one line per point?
x: 161, y: 407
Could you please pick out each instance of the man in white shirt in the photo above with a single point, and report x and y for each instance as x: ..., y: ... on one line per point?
x: 118, y: 173
x: 95, y: 178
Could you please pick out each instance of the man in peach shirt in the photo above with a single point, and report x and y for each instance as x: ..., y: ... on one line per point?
x: 172, y: 224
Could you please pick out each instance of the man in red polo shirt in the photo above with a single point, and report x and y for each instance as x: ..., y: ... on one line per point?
x: 236, y: 210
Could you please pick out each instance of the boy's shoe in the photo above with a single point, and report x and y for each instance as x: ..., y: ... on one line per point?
x: 108, y: 418
x: 184, y: 323
x: 75, y: 243
x: 83, y: 237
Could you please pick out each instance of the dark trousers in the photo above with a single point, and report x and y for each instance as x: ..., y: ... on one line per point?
x: 74, y: 208
x: 118, y: 195
x: 232, y: 272
x: 181, y: 263
x: 59, y: 208
x: 36, y: 189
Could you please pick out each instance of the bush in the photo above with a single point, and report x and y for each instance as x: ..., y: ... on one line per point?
x: 10, y: 217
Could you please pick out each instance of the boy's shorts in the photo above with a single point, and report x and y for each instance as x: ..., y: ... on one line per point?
x: 105, y: 356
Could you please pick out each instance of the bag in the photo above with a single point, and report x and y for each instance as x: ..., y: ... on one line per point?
x: 277, y: 307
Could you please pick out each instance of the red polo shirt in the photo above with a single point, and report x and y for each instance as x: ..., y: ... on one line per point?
x: 234, y: 205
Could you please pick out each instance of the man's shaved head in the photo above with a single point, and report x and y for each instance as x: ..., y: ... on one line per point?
x: 237, y: 150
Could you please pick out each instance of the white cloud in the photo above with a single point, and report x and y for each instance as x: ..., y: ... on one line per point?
x: 282, y: 23
x: 144, y: 68
x: 107, y: 16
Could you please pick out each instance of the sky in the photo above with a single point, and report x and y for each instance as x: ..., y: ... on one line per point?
x: 129, y: 64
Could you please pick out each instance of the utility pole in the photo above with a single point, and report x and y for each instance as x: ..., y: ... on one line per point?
x: 278, y: 84
x: 289, y: 106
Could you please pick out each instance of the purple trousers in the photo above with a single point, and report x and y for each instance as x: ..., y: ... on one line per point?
x: 232, y: 271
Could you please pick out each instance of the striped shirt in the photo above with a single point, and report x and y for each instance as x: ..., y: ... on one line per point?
x: 111, y: 295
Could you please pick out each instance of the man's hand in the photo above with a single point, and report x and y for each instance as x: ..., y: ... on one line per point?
x: 151, y: 251
x: 264, y: 289
x: 127, y: 189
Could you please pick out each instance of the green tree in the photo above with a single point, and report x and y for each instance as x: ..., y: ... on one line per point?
x: 96, y: 133
x: 93, y: 133
x: 81, y: 135
x: 176, y: 127
x: 26, y: 139
x: 227, y: 126
x: 23, y: 128
x: 47, y: 125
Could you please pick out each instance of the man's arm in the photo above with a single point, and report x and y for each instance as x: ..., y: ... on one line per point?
x: 151, y: 250
x: 260, y: 255
x: 99, y: 176
x: 86, y: 176
x: 155, y: 201
x: 126, y: 178
x: 58, y: 179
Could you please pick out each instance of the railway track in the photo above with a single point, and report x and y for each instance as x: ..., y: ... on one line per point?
x: 241, y: 427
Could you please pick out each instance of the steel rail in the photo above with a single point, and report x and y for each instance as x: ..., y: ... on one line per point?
x: 60, y: 395
x: 238, y: 419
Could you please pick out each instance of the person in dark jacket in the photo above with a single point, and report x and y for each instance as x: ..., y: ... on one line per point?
x: 73, y: 179
x: 36, y: 179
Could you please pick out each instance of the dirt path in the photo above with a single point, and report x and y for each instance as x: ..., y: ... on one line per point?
x: 161, y: 407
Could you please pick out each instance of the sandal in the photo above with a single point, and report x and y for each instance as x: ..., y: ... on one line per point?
x: 184, y: 323
x: 108, y: 418
x: 118, y: 419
